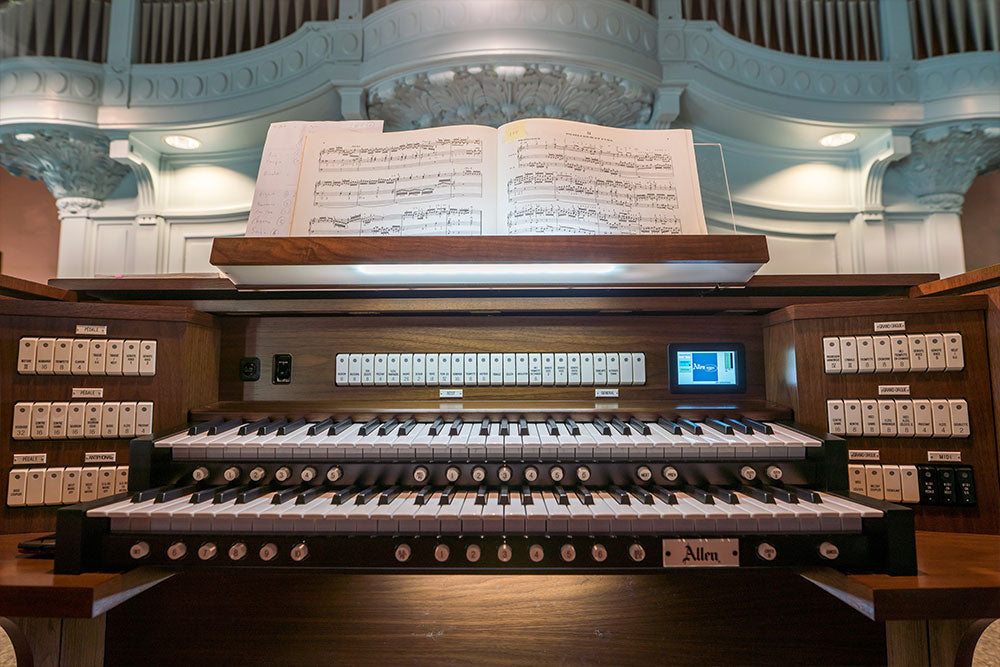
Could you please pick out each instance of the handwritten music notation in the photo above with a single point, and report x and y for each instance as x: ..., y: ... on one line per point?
x: 572, y: 188
x: 435, y: 221
x: 578, y: 219
x: 410, y: 155
x: 398, y: 189
x: 533, y: 153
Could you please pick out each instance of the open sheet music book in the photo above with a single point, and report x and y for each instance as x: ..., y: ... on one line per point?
x: 537, y: 176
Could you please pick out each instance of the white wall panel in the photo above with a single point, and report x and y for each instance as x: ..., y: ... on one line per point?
x: 190, y: 244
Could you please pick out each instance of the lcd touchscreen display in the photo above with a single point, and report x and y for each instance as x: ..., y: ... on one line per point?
x: 707, y: 368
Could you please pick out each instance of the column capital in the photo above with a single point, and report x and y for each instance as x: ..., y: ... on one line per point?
x: 77, y: 207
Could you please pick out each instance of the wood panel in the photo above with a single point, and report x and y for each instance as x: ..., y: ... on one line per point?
x: 745, y: 617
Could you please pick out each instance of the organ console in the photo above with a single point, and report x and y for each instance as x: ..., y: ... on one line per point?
x: 509, y: 429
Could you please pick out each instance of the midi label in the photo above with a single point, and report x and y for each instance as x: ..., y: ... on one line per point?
x: 949, y: 457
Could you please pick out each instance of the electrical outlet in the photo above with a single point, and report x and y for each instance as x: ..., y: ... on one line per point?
x: 249, y: 369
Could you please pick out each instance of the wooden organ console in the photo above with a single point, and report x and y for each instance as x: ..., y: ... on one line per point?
x: 498, y: 430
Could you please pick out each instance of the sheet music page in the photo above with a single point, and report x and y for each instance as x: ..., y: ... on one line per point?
x: 434, y: 182
x: 278, y: 175
x: 564, y: 177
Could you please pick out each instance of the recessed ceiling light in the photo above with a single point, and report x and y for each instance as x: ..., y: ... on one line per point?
x: 182, y: 142
x: 838, y: 139
x: 24, y: 136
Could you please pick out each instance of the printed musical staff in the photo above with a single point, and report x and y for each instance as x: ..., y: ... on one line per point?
x: 410, y: 155
x: 571, y: 188
x: 436, y: 221
x: 398, y: 189
x: 576, y: 219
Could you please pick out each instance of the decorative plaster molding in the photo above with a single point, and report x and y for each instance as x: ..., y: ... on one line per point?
x: 944, y: 161
x: 71, y: 162
x: 875, y: 160
x: 496, y: 94
x: 76, y: 207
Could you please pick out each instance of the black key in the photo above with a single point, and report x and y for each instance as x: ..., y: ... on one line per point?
x: 407, y: 426
x: 619, y: 494
x: 174, y: 492
x: 665, y: 495
x: 319, y: 427
x: 484, y: 428
x: 435, y: 427
x: 701, y: 495
x: 225, y: 495
x: 284, y: 495
x: 504, y: 427
x: 585, y: 496
x: 292, y: 426
x: 602, y: 426
x: 309, y: 494
x: 446, y: 495
x: 571, y: 426
x: 689, y: 426
x: 551, y: 425
x: 504, y: 496
x: 721, y: 427
x: 369, y: 427
x: 669, y: 426
x: 806, y: 495
x: 738, y: 426
x: 456, y: 426
x: 781, y: 493
x: 204, y: 426
x: 561, y: 496
x: 757, y: 493
x: 201, y: 495
x: 335, y: 429
x: 522, y: 427
x: 642, y: 495
x: 638, y: 426
x: 389, y: 495
x: 526, y: 497
x: 148, y: 494
x: 224, y: 426
x: 253, y: 426
x: 725, y: 495
x: 760, y: 427
x: 423, y: 495
x: 268, y: 429
x: 621, y: 426
x: 252, y: 493
x: 341, y: 496
x: 481, y: 495
x: 365, y: 495
x: 387, y: 428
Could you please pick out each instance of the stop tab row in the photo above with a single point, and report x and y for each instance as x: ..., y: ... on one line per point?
x: 910, y: 353
x: 28, y: 487
x: 921, y: 418
x: 55, y: 420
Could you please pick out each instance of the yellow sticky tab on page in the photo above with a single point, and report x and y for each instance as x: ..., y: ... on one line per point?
x: 514, y: 131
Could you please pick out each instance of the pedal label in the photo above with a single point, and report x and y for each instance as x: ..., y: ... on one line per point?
x: 701, y: 553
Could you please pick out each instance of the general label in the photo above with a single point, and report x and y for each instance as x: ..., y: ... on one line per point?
x: 890, y: 326
x: 30, y: 458
x: 88, y: 392
x: 91, y: 329
x: 862, y: 455
x: 605, y: 393
x: 450, y: 393
x: 701, y: 553
x: 99, y: 457
x: 950, y: 457
x: 894, y: 390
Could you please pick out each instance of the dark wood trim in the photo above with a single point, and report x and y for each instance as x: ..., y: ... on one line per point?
x: 878, y: 307
x: 108, y: 311
x: 979, y: 279
x: 19, y: 288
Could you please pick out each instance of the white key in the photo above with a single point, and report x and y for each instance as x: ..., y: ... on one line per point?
x: 427, y: 515
x: 109, y: 419
x: 17, y: 486
x: 918, y: 352
x: 406, y: 369
x: 492, y: 514
x: 900, y: 353
x: 852, y: 418
x: 582, y: 520
x: 496, y: 369
x: 406, y: 514
x: 536, y: 515
x: 625, y: 367
x: 535, y: 368
x: 44, y: 355
x: 937, y: 359
x: 76, y: 416
x: 573, y: 368
x: 26, y: 350
x: 893, y: 483
x: 40, y: 411
x: 392, y: 370
x: 910, y: 484
x: 419, y: 369
x: 587, y: 368
x: 62, y: 359
x: 614, y: 368
x: 856, y: 478
x: 71, y: 485
x: 905, y: 425
x: 922, y: 418
x: 532, y: 438
x: 873, y: 482
x: 954, y: 353
x: 848, y: 354
x: 866, y: 354
x: 941, y: 417
x: 515, y: 515
x: 447, y: 516
x: 483, y: 375
x: 354, y: 369
x: 600, y: 368
x: 557, y: 516
x: 959, y: 418
x: 638, y: 368
x: 883, y: 354
x: 548, y: 368
x: 34, y: 492
x: 835, y: 417
x: 870, y: 417
x: 831, y: 354
x: 379, y: 370
x: 471, y: 514
x: 116, y: 357
x: 341, y: 373
x: 562, y: 368
x: 887, y: 418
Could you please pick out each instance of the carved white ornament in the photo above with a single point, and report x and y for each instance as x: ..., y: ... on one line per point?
x: 496, y: 94
x: 71, y: 163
